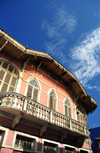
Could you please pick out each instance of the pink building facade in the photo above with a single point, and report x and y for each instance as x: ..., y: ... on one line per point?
x: 43, y: 106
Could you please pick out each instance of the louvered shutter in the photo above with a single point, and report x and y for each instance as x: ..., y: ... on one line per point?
x: 54, y: 103
x: 85, y: 119
x: 35, y: 95
x: 78, y: 116
x: 51, y: 102
x: 65, y: 110
x: 69, y: 112
x: 29, y: 92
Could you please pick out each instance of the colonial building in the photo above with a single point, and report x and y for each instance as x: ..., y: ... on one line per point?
x: 43, y: 106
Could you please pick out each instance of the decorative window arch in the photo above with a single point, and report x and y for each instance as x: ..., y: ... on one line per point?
x: 67, y: 106
x: 81, y: 114
x: 52, y: 100
x: 33, y: 89
x: 8, y: 76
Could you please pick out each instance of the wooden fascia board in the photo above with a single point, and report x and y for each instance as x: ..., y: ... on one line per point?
x: 12, y: 40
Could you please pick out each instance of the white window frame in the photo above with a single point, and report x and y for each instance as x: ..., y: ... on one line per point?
x: 68, y: 106
x: 50, y: 141
x: 24, y: 135
x: 49, y: 97
x: 39, y: 89
x: 81, y: 113
x: 69, y: 146
x: 17, y: 77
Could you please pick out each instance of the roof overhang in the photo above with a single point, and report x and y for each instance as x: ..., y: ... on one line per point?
x: 97, y: 138
x: 14, y: 49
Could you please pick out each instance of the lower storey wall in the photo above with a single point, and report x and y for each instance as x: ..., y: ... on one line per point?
x: 10, y: 138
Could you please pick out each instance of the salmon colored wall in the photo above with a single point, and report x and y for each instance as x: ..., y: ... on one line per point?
x: 23, y: 87
x: 43, y: 98
x: 10, y: 138
x: 46, y: 87
x: 50, y: 83
x: 60, y: 107
x: 6, y: 150
x: 85, y: 145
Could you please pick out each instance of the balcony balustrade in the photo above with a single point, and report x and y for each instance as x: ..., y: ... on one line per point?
x: 17, y: 101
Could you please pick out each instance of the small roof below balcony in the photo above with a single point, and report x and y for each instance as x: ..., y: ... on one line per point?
x: 19, y: 52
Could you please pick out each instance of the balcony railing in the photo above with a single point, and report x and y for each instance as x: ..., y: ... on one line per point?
x: 20, y: 102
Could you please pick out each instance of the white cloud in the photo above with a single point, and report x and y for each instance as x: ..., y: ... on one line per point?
x: 57, y: 30
x: 86, y: 57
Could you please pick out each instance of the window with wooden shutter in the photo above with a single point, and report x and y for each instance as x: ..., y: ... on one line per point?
x: 29, y: 91
x: 35, y: 95
x: 52, y: 100
x: 8, y: 77
x: 67, y: 108
x: 81, y: 115
x: 33, y: 90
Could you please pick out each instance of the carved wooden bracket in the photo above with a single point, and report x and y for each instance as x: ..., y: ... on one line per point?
x: 64, y: 135
x: 37, y: 68
x: 77, y: 96
x: 43, y: 129
x: 25, y: 62
x: 4, y: 45
x: 16, y: 120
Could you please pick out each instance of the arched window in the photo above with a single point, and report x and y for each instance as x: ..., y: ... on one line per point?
x: 67, y: 108
x: 33, y: 90
x: 8, y: 76
x: 81, y: 115
x: 52, y: 100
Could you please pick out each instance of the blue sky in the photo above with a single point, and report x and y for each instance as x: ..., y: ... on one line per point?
x: 68, y: 30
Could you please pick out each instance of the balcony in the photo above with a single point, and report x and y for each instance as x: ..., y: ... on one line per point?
x: 14, y: 104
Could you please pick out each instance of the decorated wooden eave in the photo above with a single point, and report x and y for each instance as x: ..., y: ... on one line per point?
x: 13, y: 48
